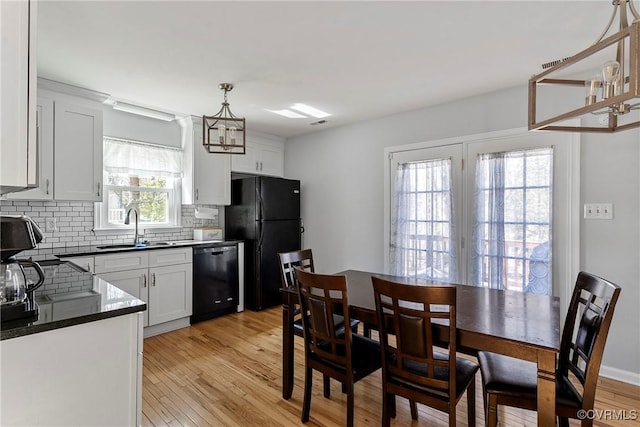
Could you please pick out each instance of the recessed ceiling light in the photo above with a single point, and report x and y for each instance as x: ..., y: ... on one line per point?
x: 288, y: 113
x: 311, y: 111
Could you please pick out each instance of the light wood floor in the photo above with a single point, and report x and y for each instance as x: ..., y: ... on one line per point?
x: 227, y: 372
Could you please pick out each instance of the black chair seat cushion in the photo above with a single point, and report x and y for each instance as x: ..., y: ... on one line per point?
x: 465, y: 373
x: 365, y: 356
x: 337, y: 320
x: 507, y: 376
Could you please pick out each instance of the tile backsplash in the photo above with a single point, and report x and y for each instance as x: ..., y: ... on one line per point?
x: 74, y: 222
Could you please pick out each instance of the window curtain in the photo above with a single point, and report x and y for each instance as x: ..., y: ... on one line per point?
x: 423, y: 234
x: 140, y: 159
x: 512, y: 226
x: 488, y: 229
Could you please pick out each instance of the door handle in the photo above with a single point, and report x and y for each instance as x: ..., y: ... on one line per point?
x: 98, y: 189
x: 47, y: 192
x: 153, y: 279
x: 144, y: 280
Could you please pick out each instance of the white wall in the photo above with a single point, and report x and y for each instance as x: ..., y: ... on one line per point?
x: 342, y: 198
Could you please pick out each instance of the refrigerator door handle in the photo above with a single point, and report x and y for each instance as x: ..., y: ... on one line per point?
x: 260, y: 210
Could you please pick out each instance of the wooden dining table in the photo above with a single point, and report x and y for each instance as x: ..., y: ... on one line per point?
x: 521, y: 325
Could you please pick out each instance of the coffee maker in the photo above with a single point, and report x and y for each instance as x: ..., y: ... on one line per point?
x: 18, y: 233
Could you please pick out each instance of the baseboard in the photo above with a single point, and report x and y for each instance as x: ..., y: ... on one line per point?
x: 150, y: 331
x: 620, y: 375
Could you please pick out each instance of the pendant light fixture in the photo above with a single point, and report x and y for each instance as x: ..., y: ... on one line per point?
x: 224, y: 133
x: 602, y: 82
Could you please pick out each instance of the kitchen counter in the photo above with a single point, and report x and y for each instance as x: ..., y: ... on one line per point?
x: 101, y: 249
x: 70, y: 296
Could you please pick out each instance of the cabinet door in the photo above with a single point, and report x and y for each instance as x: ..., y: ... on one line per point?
x: 212, y: 176
x: 133, y: 282
x: 18, y: 163
x: 272, y: 159
x: 44, y: 139
x: 84, y: 262
x: 249, y: 162
x: 170, y: 293
x: 78, y: 152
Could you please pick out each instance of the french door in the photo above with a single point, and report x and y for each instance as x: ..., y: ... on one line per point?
x: 514, y: 211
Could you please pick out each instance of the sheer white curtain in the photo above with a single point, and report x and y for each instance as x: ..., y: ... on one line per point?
x: 132, y: 158
x: 423, y: 235
x: 512, y: 225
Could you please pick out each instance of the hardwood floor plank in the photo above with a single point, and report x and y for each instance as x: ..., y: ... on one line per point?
x: 227, y: 372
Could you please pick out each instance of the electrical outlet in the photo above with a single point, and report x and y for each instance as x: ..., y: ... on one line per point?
x: 187, y: 222
x: 598, y: 211
x: 50, y: 225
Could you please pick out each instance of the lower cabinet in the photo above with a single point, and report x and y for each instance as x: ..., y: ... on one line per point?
x: 83, y: 375
x: 161, y: 278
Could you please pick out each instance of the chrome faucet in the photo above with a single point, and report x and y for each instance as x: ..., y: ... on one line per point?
x: 136, y: 237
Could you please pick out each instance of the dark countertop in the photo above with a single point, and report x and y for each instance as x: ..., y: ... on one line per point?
x: 70, y: 296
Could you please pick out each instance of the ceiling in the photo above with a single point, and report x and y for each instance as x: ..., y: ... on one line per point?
x: 357, y: 60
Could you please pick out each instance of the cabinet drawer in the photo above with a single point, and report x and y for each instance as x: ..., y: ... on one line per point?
x: 121, y: 261
x: 170, y: 257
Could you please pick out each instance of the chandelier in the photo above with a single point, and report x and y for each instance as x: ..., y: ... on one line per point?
x: 601, y: 83
x: 224, y: 133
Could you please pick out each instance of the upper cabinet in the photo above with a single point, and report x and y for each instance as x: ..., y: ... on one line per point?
x: 78, y: 152
x: 69, y: 142
x: 19, y: 159
x: 44, y: 124
x: 207, y: 177
x: 265, y: 156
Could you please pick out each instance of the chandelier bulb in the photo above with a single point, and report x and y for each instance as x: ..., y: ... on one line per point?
x: 221, y: 133
x: 592, y: 87
x: 610, y: 72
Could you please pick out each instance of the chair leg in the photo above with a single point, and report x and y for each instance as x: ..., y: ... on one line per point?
x: 386, y: 415
x: 392, y: 405
x: 326, y: 385
x: 563, y: 422
x: 471, y: 403
x: 350, y: 404
x: 414, y: 409
x: 306, y: 404
x: 492, y: 410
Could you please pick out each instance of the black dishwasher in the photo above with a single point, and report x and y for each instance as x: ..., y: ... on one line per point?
x: 215, y: 281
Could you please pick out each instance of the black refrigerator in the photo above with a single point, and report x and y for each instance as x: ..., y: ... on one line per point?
x: 265, y: 213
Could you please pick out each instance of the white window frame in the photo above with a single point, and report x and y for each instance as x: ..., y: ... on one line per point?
x: 174, y: 200
x: 566, y: 216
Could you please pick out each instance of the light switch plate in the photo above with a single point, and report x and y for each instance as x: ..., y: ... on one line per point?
x: 598, y: 211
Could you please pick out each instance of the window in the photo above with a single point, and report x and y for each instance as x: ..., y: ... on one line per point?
x: 422, y: 221
x: 512, y: 228
x: 142, y: 176
x: 514, y: 207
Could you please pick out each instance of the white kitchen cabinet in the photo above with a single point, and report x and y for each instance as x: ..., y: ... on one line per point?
x: 44, y: 141
x: 83, y: 375
x: 207, y: 177
x: 133, y: 282
x: 162, y: 278
x: 18, y: 140
x: 84, y: 262
x: 264, y: 156
x: 78, y: 151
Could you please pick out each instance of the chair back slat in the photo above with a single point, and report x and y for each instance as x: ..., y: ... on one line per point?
x: 585, y: 332
x: 322, y: 297
x: 289, y: 260
x: 405, y: 315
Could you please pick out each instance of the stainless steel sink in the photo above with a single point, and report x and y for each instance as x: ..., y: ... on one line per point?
x: 121, y: 246
x: 131, y: 245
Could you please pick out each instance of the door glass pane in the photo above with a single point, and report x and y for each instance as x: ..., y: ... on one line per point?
x: 422, y: 242
x: 513, y: 220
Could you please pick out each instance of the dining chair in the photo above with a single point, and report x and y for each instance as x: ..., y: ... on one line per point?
x: 346, y: 357
x: 304, y: 259
x: 513, y: 382
x: 412, y: 365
